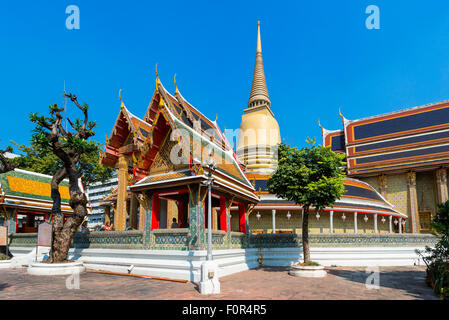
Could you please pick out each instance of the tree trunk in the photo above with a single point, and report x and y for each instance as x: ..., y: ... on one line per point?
x: 62, y: 238
x: 305, y: 234
x: 63, y: 232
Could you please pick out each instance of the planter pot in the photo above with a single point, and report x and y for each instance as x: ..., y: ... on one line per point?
x: 308, y: 271
x: 5, y: 264
x: 55, y: 269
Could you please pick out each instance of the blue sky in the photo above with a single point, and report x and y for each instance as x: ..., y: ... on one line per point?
x: 318, y: 55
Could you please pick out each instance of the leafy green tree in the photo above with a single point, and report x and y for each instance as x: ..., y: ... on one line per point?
x: 71, y: 156
x: 310, y: 177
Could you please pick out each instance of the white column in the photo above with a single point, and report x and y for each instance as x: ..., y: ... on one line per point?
x: 390, y: 219
x: 331, y: 219
x: 400, y: 225
x: 375, y: 224
x: 273, y: 212
x: 355, y: 222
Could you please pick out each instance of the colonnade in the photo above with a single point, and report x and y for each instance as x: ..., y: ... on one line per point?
x: 399, y: 222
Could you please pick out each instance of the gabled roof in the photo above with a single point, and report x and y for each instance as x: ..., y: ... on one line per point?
x: 334, y: 139
x: 186, y: 113
x: 359, y: 197
x: 399, y: 140
x: 20, y: 188
x: 179, y: 113
x: 125, y: 124
x: 165, y: 114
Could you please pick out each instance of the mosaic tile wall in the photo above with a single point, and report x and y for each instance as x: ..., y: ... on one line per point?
x: 133, y: 240
x: 328, y: 240
x: 23, y: 240
x: 179, y: 240
x: 397, y: 192
x: 109, y: 239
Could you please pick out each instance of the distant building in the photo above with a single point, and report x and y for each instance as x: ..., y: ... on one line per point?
x: 404, y: 155
x: 25, y: 200
x: 96, y: 193
x: 9, y: 155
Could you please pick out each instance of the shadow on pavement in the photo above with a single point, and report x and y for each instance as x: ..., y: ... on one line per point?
x: 411, y: 281
x: 4, y: 286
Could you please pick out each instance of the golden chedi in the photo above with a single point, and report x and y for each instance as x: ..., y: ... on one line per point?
x: 259, y: 131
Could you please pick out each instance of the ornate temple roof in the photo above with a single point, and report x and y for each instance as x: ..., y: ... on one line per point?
x: 395, y: 141
x: 32, y: 191
x: 335, y: 139
x: 171, y: 120
x: 358, y: 197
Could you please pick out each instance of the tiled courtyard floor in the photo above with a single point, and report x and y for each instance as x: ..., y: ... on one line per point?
x: 341, y: 283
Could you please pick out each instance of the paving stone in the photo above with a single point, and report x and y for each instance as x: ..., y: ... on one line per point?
x: 341, y: 283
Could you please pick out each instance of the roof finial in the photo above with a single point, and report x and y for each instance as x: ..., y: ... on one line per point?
x: 216, y: 117
x: 319, y: 124
x: 157, y: 80
x: 176, y: 86
x: 120, y: 96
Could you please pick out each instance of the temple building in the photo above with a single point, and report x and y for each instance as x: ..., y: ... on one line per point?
x: 404, y: 155
x: 162, y: 161
x: 25, y: 200
x: 362, y: 209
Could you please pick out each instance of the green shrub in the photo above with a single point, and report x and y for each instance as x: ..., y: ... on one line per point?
x: 3, y: 257
x: 437, y: 258
x: 310, y: 263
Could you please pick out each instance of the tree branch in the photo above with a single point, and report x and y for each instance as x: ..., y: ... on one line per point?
x: 74, y: 99
x: 6, y: 165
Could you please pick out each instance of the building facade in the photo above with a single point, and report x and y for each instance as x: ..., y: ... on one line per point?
x: 404, y: 155
x: 97, y: 192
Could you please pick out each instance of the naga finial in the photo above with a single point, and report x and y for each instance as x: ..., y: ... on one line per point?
x: 319, y: 124
x: 176, y: 86
x: 120, y: 96
x: 157, y: 80
x: 339, y: 111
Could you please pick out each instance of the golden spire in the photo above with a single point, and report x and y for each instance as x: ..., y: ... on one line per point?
x: 259, y: 91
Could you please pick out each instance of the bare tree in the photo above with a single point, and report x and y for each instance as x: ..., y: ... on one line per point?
x: 68, y: 146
